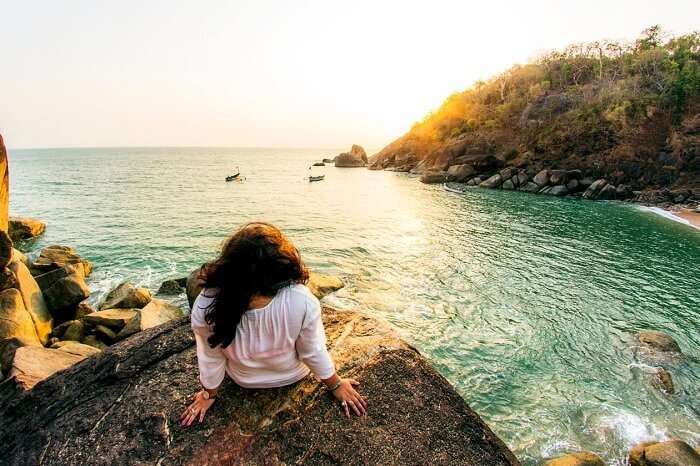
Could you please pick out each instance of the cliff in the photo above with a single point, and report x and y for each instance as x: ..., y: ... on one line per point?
x: 625, y: 112
x: 121, y: 407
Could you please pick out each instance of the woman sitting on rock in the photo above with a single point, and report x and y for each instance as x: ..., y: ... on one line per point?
x: 256, y: 321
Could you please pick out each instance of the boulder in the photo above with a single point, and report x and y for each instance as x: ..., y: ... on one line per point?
x: 558, y: 190
x: 172, y: 287
x: 321, y: 285
x: 664, y: 381
x: 558, y: 177
x: 493, y: 182
x: 64, y: 296
x: 60, y: 330
x: 193, y: 287
x: 433, y: 177
x: 19, y: 256
x: 574, y: 174
x: 115, y: 319
x: 55, y: 257
x: 357, y: 157
x: 25, y: 228
x: 623, y: 192
x: 32, y: 364
x: 581, y: 458
x: 522, y: 178
x: 530, y: 187
x: 542, y: 178
x: 420, y: 168
x: 508, y: 185
x: 508, y: 172
x: 155, y: 313
x: 669, y: 453
x: 76, y: 348
x: 4, y: 187
x: 327, y: 160
x: 74, y: 332
x: 34, y: 301
x: 126, y: 296
x: 15, y: 320
x: 84, y: 308
x: 658, y: 341
x: 121, y: 407
x: 607, y: 193
x: 108, y: 335
x: 460, y: 173
x: 7, y: 279
x: 8, y: 347
x: 45, y: 280
x: 92, y: 340
x: 573, y: 185
x: 594, y: 189
x: 6, y: 249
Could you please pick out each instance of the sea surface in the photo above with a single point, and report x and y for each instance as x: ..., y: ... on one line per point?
x: 528, y: 304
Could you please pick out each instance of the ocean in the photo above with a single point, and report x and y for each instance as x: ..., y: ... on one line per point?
x: 528, y: 305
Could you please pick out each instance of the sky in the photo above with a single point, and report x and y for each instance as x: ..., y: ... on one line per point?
x: 325, y: 74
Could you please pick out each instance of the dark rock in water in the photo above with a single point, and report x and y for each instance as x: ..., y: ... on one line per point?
x: 126, y: 296
x: 558, y: 190
x: 507, y: 172
x: 522, y: 178
x: 594, y: 189
x: 55, y: 257
x: 608, y: 193
x: 493, y: 182
x: 573, y: 185
x: 542, y: 178
x: 659, y: 341
x: 476, y: 181
x: 574, y: 174
x: 357, y: 157
x: 669, y: 453
x: 460, y: 173
x: 664, y: 380
x: 546, y: 190
x: 508, y: 185
x: 530, y: 187
x: 25, y: 228
x: 558, y: 177
x: 581, y: 458
x: 434, y: 177
x: 623, y: 192
x: 327, y: 160
x: 121, y: 407
x: 172, y: 287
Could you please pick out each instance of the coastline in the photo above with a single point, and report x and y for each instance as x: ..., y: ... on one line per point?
x: 687, y: 217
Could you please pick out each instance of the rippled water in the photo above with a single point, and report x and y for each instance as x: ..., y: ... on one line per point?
x: 527, y: 304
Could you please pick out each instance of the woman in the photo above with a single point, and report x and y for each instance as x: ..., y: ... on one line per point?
x: 256, y: 321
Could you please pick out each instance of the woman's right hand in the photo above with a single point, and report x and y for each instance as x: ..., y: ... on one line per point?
x: 349, y: 398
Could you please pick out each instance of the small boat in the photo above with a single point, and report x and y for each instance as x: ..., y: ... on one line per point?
x: 316, y: 178
x: 459, y: 188
x: 234, y: 176
x: 319, y: 164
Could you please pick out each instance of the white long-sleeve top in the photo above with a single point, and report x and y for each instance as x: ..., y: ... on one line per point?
x: 275, y: 345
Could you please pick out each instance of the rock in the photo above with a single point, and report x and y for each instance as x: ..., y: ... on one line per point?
x: 129, y: 397
x: 573, y: 185
x: 522, y: 178
x: 172, y: 287
x: 83, y: 309
x: 8, y: 347
x: 32, y: 364
x: 7, y: 279
x: 357, y: 157
x: 60, y: 330
x: 15, y: 320
x: 63, y: 297
x: 78, y: 349
x: 45, y: 280
x: 321, y: 285
x: 508, y: 185
x: 4, y: 187
x: 594, y: 189
x: 420, y: 168
x: 126, y: 296
x: 19, y: 256
x: 558, y: 190
x: 586, y: 182
x: 432, y: 177
x: 542, y: 178
x: 34, y: 301
x: 609, y: 192
x: 327, y: 160
x: 25, y: 228
x: 155, y: 313
x: 546, y: 190
x: 530, y: 187
x: 493, y: 182
x: 460, y: 173
x: 574, y: 174
x: 623, y: 192
x: 669, y: 453
x: 91, y: 340
x: 115, y: 319
x: 55, y: 257
x: 558, y: 177
x: 107, y: 334
x: 508, y: 172
x: 75, y: 331
x: 193, y: 287
x: 6, y: 249
x: 659, y: 341
x: 581, y: 458
x: 455, y: 187
x: 664, y: 381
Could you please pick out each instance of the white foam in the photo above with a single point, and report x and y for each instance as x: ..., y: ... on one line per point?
x: 631, y: 429
x: 667, y: 214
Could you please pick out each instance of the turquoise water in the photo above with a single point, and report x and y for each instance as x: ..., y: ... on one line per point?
x: 527, y: 304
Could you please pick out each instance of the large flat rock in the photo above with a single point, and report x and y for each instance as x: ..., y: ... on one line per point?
x: 121, y: 407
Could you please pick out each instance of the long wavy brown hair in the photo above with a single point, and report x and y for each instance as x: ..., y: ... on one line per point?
x: 258, y: 259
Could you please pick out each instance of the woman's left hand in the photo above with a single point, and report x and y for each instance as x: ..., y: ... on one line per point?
x: 197, y: 409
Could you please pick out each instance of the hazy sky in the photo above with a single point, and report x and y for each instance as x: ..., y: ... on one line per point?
x: 264, y: 73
